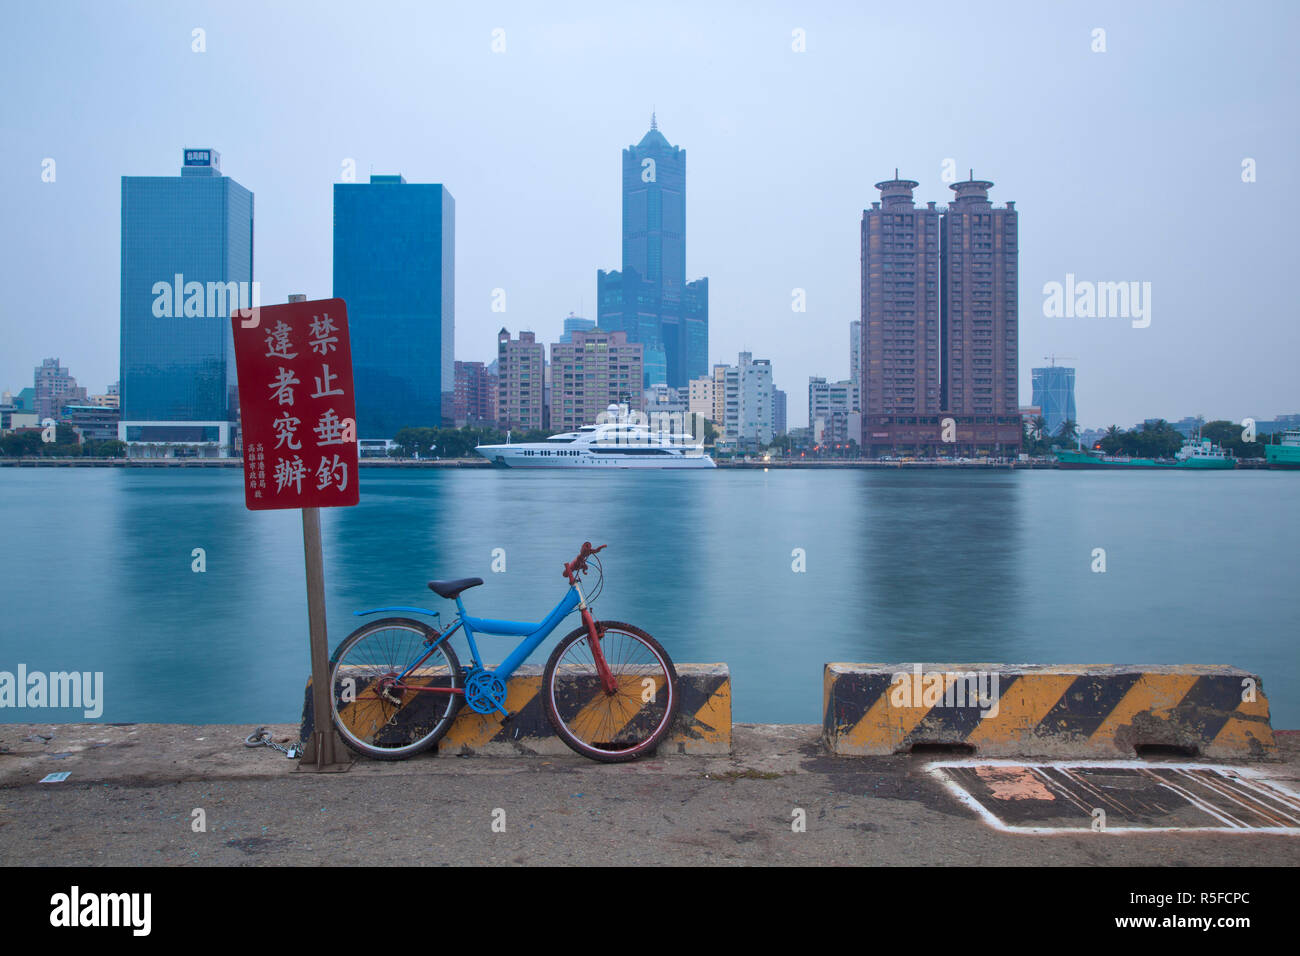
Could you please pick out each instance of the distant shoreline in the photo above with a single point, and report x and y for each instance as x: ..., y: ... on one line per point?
x: 479, y: 463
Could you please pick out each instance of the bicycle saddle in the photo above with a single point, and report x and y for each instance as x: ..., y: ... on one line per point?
x: 449, y: 589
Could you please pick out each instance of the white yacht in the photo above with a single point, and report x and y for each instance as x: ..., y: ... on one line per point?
x: 617, y: 443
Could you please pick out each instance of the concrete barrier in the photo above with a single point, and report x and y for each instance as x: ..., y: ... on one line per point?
x: 702, y: 726
x: 1030, y: 710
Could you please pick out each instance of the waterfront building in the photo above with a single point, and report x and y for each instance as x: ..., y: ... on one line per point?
x: 779, y: 413
x: 899, y: 370
x: 13, y: 418
x: 26, y: 399
x: 700, y: 398
x: 661, y: 398
x: 1054, y: 394
x: 573, y: 324
x: 833, y: 411
x: 521, y: 376
x: 980, y: 339
x: 475, y: 401
x: 940, y: 327
x: 110, y: 399
x: 650, y: 299
x: 55, y: 388
x: 395, y: 266
x: 747, y: 410
x: 187, y: 265
x: 720, y: 395
x: 593, y: 371
x: 92, y: 422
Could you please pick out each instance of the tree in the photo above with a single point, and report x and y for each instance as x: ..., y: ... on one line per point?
x: 21, y: 444
x: 1113, y: 440
x: 1068, y: 431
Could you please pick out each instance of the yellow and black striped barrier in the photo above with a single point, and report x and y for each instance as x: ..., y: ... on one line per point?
x: 702, y: 726
x: 1068, y: 711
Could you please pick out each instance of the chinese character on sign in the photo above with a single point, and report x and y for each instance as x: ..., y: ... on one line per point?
x: 277, y: 342
x: 289, y: 473
x: 284, y: 427
x: 323, y: 338
x: 331, y: 473
x: 280, y: 388
x: 324, y: 390
x: 329, y: 431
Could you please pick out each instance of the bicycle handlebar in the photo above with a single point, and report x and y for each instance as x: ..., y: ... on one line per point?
x: 579, y: 564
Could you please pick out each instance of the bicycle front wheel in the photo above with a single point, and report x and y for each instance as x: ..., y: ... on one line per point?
x: 379, y: 712
x: 622, y: 725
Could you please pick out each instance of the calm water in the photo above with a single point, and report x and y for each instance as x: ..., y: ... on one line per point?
x: 922, y: 566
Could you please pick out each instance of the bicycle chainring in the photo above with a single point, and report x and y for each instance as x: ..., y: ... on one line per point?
x: 485, y: 692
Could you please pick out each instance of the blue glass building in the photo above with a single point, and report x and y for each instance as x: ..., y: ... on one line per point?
x: 1054, y: 394
x: 394, y: 266
x: 650, y: 298
x: 187, y: 263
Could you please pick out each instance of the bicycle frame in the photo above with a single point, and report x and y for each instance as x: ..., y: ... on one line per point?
x: 533, y: 635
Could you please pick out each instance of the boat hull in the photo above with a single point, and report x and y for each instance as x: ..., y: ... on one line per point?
x: 511, y: 457
x: 1282, y: 456
x: 1081, y: 460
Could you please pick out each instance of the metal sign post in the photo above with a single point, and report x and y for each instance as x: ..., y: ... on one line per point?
x: 307, y: 440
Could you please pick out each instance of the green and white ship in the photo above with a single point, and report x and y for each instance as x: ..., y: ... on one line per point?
x: 1197, y: 454
x: 1287, y: 453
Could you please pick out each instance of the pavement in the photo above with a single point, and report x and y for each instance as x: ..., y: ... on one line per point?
x: 168, y: 795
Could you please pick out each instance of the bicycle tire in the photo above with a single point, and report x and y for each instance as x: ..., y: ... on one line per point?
x: 375, y: 726
x: 633, y: 730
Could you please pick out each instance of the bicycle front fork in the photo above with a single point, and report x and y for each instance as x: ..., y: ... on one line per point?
x: 593, y: 638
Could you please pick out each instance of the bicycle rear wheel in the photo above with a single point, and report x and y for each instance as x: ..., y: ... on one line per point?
x: 377, y: 712
x: 618, y: 726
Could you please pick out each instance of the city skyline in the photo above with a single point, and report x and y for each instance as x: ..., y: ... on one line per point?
x: 1116, y: 157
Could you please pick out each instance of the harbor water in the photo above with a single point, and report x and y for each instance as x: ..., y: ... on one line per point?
x: 775, y: 573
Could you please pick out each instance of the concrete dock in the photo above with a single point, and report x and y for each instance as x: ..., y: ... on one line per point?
x: 145, y: 795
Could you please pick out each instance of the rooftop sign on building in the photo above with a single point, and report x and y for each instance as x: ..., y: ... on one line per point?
x: 203, y: 157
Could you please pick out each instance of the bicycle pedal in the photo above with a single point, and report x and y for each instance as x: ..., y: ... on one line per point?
x: 508, y: 717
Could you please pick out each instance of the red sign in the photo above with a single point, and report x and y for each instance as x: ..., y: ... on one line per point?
x: 297, y: 408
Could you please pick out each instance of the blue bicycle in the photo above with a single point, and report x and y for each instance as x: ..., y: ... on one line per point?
x: 610, y: 689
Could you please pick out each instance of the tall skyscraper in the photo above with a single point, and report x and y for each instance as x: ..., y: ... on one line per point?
x: 939, y: 323
x: 595, y: 370
x: 187, y: 264
x: 980, y: 318
x: 1054, y: 394
x: 650, y: 299
x: 900, y: 365
x: 395, y: 267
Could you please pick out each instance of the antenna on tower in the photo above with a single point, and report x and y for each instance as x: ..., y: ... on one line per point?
x: 653, y: 124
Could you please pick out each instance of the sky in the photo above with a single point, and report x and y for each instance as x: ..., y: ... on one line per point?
x: 1126, y: 164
